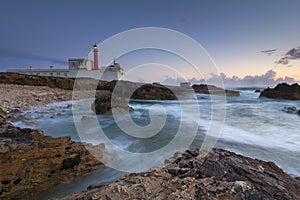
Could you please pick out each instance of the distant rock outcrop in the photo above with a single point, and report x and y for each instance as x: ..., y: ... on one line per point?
x: 196, y: 174
x: 211, y: 89
x: 282, y: 91
x: 31, y: 162
x: 103, y: 101
x: 153, y: 92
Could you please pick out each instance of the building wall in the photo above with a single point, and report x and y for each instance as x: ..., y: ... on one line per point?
x: 106, y: 73
x: 79, y: 68
x: 54, y: 73
x: 80, y: 63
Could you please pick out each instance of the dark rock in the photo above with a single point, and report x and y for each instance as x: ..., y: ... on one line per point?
x: 283, y: 91
x: 5, y: 182
x: 17, y: 181
x: 216, y: 174
x: 126, y: 89
x: 30, y: 163
x: 153, y: 92
x: 70, y: 163
x: 23, y: 79
x: 290, y: 109
x: 257, y: 91
x: 103, y: 105
x: 210, y: 89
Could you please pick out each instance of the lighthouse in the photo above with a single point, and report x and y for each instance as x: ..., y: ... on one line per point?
x: 96, y: 66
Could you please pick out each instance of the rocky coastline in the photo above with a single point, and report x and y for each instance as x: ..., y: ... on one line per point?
x: 19, y: 97
x: 197, y: 174
x: 282, y: 91
x: 32, y: 162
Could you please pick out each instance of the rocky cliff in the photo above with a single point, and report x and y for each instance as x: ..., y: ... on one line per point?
x: 282, y: 91
x: 196, y: 174
x: 31, y: 162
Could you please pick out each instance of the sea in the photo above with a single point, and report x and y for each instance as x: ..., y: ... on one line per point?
x: 256, y: 127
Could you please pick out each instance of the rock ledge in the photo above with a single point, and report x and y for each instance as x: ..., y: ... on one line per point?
x: 195, y: 174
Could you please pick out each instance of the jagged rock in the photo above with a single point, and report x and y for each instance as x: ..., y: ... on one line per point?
x: 31, y: 162
x: 196, y: 174
x: 283, y: 91
x: 210, y: 89
x: 290, y: 109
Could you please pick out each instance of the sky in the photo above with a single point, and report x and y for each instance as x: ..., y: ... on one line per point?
x: 250, y: 41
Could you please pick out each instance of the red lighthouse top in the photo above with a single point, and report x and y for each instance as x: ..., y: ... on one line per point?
x: 95, y: 46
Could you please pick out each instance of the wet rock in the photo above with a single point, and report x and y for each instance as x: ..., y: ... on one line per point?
x: 104, y: 104
x: 31, y: 162
x: 290, y: 109
x: 283, y: 91
x: 216, y: 174
x: 70, y: 163
x: 210, y: 89
x: 258, y: 91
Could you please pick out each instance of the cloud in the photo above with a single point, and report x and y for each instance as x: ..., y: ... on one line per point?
x: 6, y: 52
x: 267, y: 79
x: 292, y: 54
x: 269, y: 51
x: 173, y: 81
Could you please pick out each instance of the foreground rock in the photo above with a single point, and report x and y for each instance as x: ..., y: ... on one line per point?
x: 210, y: 89
x: 195, y: 174
x: 282, y: 91
x: 31, y: 162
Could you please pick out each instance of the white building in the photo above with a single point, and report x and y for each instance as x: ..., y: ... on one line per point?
x: 112, y: 72
x: 80, y: 67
